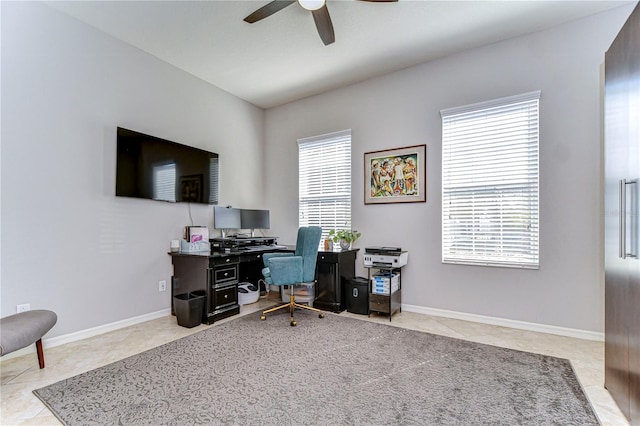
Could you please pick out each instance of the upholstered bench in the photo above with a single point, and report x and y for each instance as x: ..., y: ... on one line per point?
x: 21, y: 330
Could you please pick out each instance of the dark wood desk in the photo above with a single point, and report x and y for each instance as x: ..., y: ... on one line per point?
x: 218, y: 275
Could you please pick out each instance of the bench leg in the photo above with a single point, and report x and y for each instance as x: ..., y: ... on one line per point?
x: 40, y: 353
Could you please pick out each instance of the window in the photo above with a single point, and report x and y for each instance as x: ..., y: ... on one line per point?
x: 325, y: 181
x: 490, y: 183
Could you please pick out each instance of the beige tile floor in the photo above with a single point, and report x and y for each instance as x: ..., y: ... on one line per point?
x: 20, y: 375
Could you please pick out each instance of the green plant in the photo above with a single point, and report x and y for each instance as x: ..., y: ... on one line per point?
x: 343, y: 234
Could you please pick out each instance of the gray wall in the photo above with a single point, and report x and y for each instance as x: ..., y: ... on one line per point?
x: 68, y: 243
x: 402, y: 109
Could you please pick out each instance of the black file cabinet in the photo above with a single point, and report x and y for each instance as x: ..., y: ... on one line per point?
x: 222, y: 288
x: 333, y: 269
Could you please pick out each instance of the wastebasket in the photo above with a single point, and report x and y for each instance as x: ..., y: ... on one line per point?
x: 201, y: 293
x: 357, y: 295
x: 188, y: 308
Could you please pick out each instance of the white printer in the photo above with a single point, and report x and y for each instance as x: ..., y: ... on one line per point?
x: 386, y: 257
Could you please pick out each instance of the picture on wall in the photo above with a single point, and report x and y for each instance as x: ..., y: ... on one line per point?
x: 395, y: 175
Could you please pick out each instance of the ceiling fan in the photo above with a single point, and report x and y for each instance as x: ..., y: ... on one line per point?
x: 317, y: 7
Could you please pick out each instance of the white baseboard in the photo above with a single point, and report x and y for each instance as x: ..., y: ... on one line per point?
x: 521, y: 325
x: 90, y: 332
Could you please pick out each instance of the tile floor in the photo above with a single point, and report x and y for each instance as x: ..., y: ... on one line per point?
x: 20, y: 375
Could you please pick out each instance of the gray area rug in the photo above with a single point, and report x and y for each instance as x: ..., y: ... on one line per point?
x: 331, y: 371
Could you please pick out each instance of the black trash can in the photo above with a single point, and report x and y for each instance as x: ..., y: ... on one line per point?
x: 188, y: 308
x: 201, y: 293
x: 357, y: 295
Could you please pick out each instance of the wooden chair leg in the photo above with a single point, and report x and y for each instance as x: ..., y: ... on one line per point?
x: 40, y: 353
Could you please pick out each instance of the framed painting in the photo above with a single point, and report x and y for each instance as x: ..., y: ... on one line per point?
x: 395, y: 175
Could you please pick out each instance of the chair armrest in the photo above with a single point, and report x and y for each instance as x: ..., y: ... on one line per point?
x: 286, y: 270
x: 267, y: 256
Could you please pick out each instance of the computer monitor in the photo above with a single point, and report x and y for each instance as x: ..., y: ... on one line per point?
x: 254, y: 219
x: 226, y: 218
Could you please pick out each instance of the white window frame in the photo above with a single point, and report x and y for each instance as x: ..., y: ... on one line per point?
x: 324, y: 173
x: 490, y: 183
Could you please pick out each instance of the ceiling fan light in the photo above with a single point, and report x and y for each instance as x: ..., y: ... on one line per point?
x: 311, y: 4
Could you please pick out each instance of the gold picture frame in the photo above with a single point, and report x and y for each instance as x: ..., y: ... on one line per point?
x: 396, y: 175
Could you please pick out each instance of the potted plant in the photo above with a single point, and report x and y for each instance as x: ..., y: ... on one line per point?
x: 344, y: 236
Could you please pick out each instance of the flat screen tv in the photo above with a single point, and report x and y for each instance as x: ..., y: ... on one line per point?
x: 158, y: 169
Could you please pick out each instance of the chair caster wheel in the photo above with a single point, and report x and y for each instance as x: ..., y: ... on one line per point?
x: 263, y: 317
x: 320, y: 315
x: 293, y: 323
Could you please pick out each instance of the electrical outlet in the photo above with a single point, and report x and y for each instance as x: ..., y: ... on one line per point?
x: 23, y: 308
x: 162, y: 285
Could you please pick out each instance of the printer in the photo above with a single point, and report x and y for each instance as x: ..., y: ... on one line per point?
x: 385, y: 257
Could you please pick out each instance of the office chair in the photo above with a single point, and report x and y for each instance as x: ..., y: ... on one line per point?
x: 294, y: 268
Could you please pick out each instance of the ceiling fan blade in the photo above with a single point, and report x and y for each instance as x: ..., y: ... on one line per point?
x: 268, y: 10
x: 324, y: 25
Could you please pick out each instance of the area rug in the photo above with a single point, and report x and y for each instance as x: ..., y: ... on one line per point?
x: 331, y: 371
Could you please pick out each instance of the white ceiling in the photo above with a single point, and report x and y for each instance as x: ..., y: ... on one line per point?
x: 282, y: 59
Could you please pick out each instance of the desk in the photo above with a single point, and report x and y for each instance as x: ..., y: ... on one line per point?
x: 218, y: 274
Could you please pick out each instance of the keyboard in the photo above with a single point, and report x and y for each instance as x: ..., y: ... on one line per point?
x: 263, y: 247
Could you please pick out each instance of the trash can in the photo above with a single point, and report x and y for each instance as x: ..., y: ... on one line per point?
x: 201, y: 293
x: 188, y: 308
x: 357, y: 295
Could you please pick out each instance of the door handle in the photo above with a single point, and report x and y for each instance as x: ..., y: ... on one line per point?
x: 622, y: 227
x: 622, y: 218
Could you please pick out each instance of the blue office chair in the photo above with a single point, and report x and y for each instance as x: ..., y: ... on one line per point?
x: 294, y: 268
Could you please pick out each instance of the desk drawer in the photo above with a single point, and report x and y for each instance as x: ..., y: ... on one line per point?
x: 379, y: 303
x: 328, y: 257
x: 250, y: 257
x: 226, y: 260
x: 223, y: 274
x: 225, y: 296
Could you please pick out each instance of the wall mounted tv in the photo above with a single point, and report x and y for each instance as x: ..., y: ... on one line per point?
x: 158, y: 169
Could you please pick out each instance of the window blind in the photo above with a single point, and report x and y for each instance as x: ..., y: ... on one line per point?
x: 324, y: 164
x: 490, y: 183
